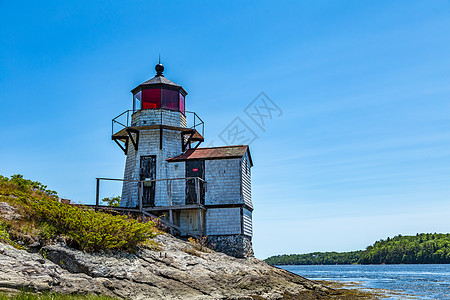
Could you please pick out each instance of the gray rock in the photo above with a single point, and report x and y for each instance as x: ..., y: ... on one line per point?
x: 176, y: 272
x: 8, y: 212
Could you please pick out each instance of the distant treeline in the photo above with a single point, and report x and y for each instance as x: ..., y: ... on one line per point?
x: 316, y: 258
x: 424, y: 248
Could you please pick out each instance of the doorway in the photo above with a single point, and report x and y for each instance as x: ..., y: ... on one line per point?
x: 195, y: 168
x: 148, y: 172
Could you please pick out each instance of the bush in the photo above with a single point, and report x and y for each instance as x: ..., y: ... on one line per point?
x: 4, y: 235
x: 84, y: 228
x: 18, y: 186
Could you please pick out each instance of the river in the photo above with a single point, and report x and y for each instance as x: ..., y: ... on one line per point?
x: 421, y: 281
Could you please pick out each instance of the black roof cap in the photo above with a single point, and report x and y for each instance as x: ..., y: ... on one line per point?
x: 159, y: 68
x: 159, y: 81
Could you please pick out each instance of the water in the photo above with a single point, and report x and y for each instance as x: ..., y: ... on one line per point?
x: 422, y: 281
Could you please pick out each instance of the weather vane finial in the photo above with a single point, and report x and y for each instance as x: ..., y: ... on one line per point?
x: 159, y: 68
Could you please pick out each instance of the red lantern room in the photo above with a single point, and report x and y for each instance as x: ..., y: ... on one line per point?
x: 158, y: 104
x: 159, y: 92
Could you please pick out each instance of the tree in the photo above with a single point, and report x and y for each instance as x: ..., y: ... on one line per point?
x: 112, y: 201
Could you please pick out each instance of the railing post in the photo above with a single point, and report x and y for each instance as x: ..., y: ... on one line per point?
x: 200, y: 223
x: 170, y: 192
x: 170, y: 206
x: 197, y: 189
x: 140, y: 194
x: 97, y: 194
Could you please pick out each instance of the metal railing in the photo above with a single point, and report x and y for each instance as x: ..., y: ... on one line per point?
x: 199, y: 190
x: 124, y: 117
x: 124, y: 120
x: 197, y: 122
x: 200, y: 187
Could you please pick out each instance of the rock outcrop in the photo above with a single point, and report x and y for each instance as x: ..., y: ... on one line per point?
x: 176, y: 271
x: 8, y: 212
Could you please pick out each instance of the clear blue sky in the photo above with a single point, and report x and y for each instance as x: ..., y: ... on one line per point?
x: 361, y: 151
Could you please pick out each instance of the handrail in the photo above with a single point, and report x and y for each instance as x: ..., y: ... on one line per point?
x: 199, y: 188
x: 141, y: 182
x: 120, y: 123
x: 129, y: 113
x: 135, y: 180
x: 195, y: 124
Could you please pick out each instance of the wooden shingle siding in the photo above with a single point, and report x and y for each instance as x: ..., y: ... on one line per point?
x: 246, y: 181
x: 223, y: 181
x: 247, y: 222
x: 149, y: 143
x: 220, y: 221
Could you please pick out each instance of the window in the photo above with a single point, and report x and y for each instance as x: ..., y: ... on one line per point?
x: 170, y: 99
x: 158, y: 98
x: 182, y: 104
x: 151, y: 99
x: 137, y: 101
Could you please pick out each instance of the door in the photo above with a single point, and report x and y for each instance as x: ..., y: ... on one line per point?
x: 148, y: 172
x: 192, y: 221
x: 195, y: 220
x: 195, y: 168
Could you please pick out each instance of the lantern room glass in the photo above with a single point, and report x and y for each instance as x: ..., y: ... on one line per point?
x: 182, y: 104
x: 137, y: 98
x: 169, y: 99
x: 159, y: 98
x: 151, y: 98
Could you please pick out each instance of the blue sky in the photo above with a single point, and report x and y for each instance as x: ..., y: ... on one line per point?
x: 361, y: 151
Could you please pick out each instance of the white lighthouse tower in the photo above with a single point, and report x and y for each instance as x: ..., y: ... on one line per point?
x: 197, y: 191
x: 157, y: 131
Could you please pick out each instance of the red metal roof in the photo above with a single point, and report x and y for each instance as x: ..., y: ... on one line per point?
x: 224, y: 152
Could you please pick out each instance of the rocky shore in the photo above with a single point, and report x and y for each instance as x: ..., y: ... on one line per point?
x: 176, y: 271
x: 168, y: 269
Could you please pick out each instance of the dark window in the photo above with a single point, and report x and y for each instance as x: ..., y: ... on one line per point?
x: 151, y: 99
x: 148, y: 172
x: 170, y: 99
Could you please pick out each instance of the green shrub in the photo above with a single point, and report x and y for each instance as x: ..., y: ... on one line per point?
x: 47, y: 231
x: 18, y: 186
x: 84, y: 228
x: 5, y: 237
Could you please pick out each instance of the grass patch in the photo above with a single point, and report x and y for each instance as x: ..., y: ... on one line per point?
x: 354, y: 290
x: 191, y: 251
x: 33, y: 296
x: 82, y: 228
x: 200, y: 244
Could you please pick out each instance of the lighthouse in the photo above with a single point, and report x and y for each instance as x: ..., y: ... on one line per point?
x: 196, y: 191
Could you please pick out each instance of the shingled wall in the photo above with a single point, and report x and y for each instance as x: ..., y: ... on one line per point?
x: 149, y: 144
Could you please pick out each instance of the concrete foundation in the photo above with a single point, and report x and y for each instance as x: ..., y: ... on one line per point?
x: 239, y: 246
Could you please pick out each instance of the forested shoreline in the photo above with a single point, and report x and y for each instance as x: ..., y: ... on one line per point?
x: 424, y: 248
